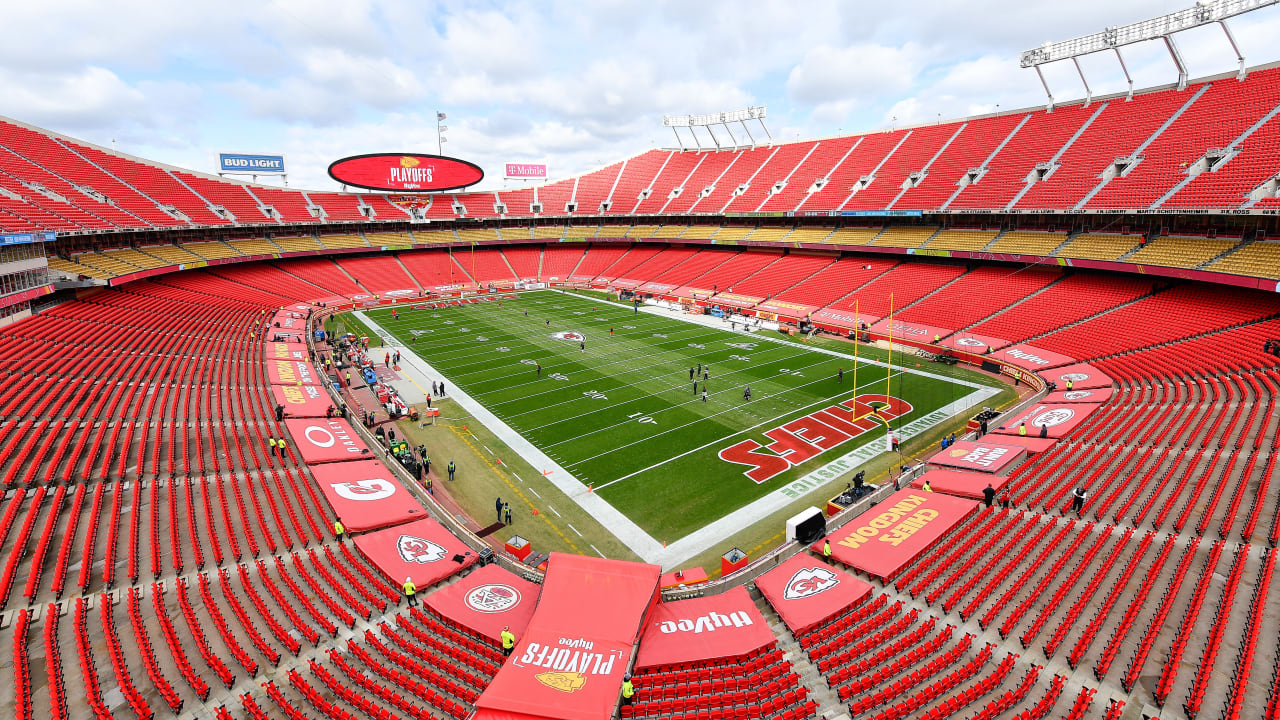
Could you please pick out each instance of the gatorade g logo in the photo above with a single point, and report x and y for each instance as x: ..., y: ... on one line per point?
x: 808, y: 582
x: 572, y: 336
x: 565, y: 682
x: 416, y: 550
x: 372, y: 489
x: 492, y: 598
x: 1076, y: 395
x: 1056, y: 416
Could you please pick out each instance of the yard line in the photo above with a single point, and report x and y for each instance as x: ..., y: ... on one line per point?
x: 486, y: 448
x: 593, y: 547
x: 552, y: 509
x: 571, y: 527
x: 535, y: 492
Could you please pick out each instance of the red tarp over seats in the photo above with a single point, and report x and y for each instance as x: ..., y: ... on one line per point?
x: 1029, y: 357
x: 806, y: 592
x: 422, y: 550
x: 980, y: 455
x: 1059, y: 419
x: 326, y: 440
x: 911, y: 331
x: 570, y: 662
x: 958, y: 483
x: 843, y: 318
x: 365, y: 495
x: 1034, y: 445
x: 1092, y: 395
x: 307, y: 401
x: 487, y: 600
x: 291, y: 372
x: 713, y: 628
x: 970, y: 343
x: 889, y: 536
x: 1082, y: 375
x: 790, y: 309
x: 284, y: 350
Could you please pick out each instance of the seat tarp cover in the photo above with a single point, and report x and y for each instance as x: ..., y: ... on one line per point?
x: 978, y: 455
x: 304, y: 401
x: 422, y: 550
x: 1057, y: 419
x: 704, y: 629
x: 961, y: 483
x: 284, y: 350
x: 488, y: 600
x: 805, y: 591
x: 291, y: 372
x: 570, y: 662
x: 326, y: 440
x: 881, y: 541
x: 365, y: 495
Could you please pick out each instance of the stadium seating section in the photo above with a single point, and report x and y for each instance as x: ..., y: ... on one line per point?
x: 158, y: 560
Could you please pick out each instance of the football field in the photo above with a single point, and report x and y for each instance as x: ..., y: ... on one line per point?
x: 607, y: 393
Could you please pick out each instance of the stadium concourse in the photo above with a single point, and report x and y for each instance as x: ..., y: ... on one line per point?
x: 160, y: 560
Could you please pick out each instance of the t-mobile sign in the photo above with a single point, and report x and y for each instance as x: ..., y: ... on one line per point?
x: 524, y: 170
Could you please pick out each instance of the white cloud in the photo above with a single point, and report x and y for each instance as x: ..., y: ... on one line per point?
x: 826, y: 73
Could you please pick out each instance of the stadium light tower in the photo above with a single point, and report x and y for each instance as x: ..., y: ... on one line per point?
x: 1205, y: 12
x: 757, y: 113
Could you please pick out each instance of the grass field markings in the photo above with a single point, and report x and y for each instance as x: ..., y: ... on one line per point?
x: 682, y: 385
x: 486, y: 447
x: 514, y: 488
x: 571, y: 527
x: 707, y: 445
x: 697, y: 400
x: 535, y: 492
x: 553, y: 509
x: 593, y: 547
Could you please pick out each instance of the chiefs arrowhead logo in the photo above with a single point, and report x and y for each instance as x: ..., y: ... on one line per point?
x: 565, y: 682
x: 406, y: 161
x: 570, y: 336
x: 416, y: 550
x: 808, y: 582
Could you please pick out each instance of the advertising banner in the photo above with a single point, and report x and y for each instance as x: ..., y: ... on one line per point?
x: 365, y: 495
x: 970, y: 343
x: 843, y: 318
x: 1029, y: 357
x: 980, y: 456
x: 907, y: 523
x: 960, y: 483
x: 1057, y: 419
x: 291, y: 372
x: 251, y: 164
x: 704, y: 629
x: 525, y: 170
x: 488, y: 600
x: 301, y: 401
x: 422, y: 550
x: 325, y: 440
x: 910, y: 331
x: 805, y: 591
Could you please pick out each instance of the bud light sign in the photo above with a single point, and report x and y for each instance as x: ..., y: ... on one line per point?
x: 524, y: 170
x: 251, y: 164
x: 405, y: 172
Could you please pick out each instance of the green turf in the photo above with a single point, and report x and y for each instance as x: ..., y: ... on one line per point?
x: 623, y: 415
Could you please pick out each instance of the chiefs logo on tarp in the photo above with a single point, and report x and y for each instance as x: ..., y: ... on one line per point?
x: 372, y: 489
x: 808, y: 582
x: 565, y: 682
x: 569, y: 335
x: 1076, y: 395
x: 493, y: 598
x: 1056, y: 416
x: 416, y: 550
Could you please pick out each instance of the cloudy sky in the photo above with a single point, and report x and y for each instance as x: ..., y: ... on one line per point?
x: 571, y: 84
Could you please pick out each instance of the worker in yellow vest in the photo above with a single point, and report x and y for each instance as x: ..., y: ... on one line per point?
x: 826, y: 550
x: 339, y: 530
x: 628, y: 690
x: 1022, y: 429
x: 508, y: 641
x: 411, y: 592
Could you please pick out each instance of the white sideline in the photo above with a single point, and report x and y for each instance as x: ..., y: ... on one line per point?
x: 627, y: 531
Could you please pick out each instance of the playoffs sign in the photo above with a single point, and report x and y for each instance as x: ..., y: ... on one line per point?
x: 405, y: 172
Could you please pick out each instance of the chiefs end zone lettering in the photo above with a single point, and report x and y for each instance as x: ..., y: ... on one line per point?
x: 405, y: 172
x: 806, y: 438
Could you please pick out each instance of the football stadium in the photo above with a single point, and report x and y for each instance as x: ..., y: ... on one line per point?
x: 957, y: 418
